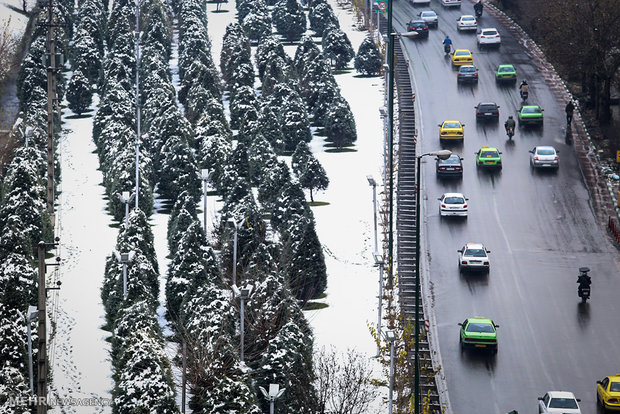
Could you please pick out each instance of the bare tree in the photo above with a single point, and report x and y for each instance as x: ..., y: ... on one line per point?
x: 8, y: 47
x: 344, y: 382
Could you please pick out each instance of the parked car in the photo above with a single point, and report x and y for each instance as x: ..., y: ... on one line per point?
x: 450, y: 167
x: 474, y: 256
x: 466, y: 22
x: 478, y: 332
x: 544, y: 157
x: 419, y: 26
x: 430, y: 17
x: 489, y: 36
x: 467, y: 73
x: 487, y: 111
x: 558, y: 402
x: 453, y: 204
x: 451, y: 3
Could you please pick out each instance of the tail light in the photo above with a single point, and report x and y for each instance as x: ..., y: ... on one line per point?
x: 443, y: 205
x: 464, y: 262
x: 486, y: 263
x: 478, y: 112
x: 482, y: 37
x: 536, y: 158
x: 464, y: 205
x: 457, y: 168
x: 425, y: 27
x: 496, y: 111
x: 442, y: 168
x: 555, y: 159
x: 475, y: 73
x: 444, y: 133
x: 612, y: 401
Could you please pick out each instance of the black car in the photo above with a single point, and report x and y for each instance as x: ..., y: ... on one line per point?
x: 467, y: 73
x: 419, y: 26
x: 451, y: 167
x: 487, y: 111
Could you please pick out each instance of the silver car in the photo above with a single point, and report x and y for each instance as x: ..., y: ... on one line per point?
x: 466, y: 22
x: 474, y: 256
x: 430, y: 17
x: 544, y: 157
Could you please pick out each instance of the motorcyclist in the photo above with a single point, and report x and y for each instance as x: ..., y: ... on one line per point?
x: 447, y: 42
x: 478, y: 8
x: 524, y: 88
x: 509, y: 124
x: 584, y: 280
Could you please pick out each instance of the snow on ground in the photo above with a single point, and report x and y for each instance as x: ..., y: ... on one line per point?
x: 80, y: 363
x: 18, y: 20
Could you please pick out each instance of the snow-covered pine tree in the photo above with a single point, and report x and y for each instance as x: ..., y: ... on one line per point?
x: 288, y: 362
x: 205, y: 75
x: 249, y: 128
x: 117, y: 104
x: 368, y: 59
x: 275, y: 179
x: 179, y: 170
x: 238, y: 191
x: 337, y: 47
x: 79, y: 92
x: 242, y: 100
x: 322, y: 16
x: 313, y: 177
x: 300, y: 158
x: 213, y: 152
x: 269, y: 126
x: 306, y: 48
x: 235, y: 45
x: 289, y: 19
x: 18, y: 286
x: 184, y: 203
x: 325, y: 94
x: 195, y: 102
x: 13, y: 386
x: 295, y: 124
x: 302, y: 259
x: 257, y: 22
x: 170, y: 123
x: 340, y: 123
x: 260, y: 158
x: 138, y: 236
x: 132, y: 318
x: 243, y: 75
x: 267, y: 47
x: 239, y: 160
x: 87, y: 56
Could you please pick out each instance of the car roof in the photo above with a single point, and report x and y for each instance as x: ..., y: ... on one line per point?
x: 489, y: 28
x: 545, y: 147
x: 428, y: 11
x: 480, y: 319
x: 417, y: 21
x: 467, y: 66
x: 453, y: 195
x: 462, y: 50
x: 505, y: 65
x: 485, y: 148
x: 468, y: 16
x: 450, y: 120
x: 560, y: 394
x: 530, y: 106
x: 474, y: 246
x: 487, y: 103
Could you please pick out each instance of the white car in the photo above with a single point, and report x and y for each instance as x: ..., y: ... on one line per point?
x: 420, y: 1
x: 474, y: 256
x: 489, y: 36
x: 453, y: 204
x: 466, y: 22
x: 450, y: 3
x: 544, y: 157
x: 560, y: 402
x: 430, y: 17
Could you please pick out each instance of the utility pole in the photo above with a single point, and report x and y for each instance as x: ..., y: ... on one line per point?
x: 42, y: 328
x: 51, y: 101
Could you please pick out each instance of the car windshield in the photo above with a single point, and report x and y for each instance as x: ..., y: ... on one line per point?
x: 489, y: 154
x: 563, y: 403
x: 545, y: 151
x: 486, y: 108
x: 451, y: 125
x: 475, y: 253
x: 467, y: 69
x: 462, y: 53
x: 480, y: 327
x: 614, y: 387
x: 506, y: 69
x: 531, y: 110
x: 454, y: 200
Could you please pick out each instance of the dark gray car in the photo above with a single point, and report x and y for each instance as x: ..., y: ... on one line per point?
x: 467, y: 73
x: 451, y: 167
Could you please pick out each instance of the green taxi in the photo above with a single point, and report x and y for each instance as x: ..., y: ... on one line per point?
x: 506, y: 73
x: 489, y: 157
x: 478, y: 332
x: 531, y: 115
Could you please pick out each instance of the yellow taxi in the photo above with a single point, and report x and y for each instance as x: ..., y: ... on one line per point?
x: 608, y: 392
x: 462, y: 57
x: 451, y: 130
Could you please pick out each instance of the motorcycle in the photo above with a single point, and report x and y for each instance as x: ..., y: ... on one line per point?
x: 510, y: 131
x: 478, y: 13
x: 447, y: 48
x: 524, y: 95
x: 583, y: 291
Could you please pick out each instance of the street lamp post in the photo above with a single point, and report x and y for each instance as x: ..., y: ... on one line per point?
x: 232, y: 223
x: 31, y: 315
x: 390, y: 336
x: 441, y: 154
x: 274, y: 393
x: 124, y: 258
x: 204, y: 176
x: 373, y: 183
x: 390, y: 121
x: 379, y: 262
x: 243, y: 294
x: 126, y: 198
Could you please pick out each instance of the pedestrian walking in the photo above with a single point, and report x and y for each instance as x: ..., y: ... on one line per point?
x: 570, y: 107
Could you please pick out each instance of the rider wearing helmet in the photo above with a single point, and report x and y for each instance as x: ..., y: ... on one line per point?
x: 510, y: 123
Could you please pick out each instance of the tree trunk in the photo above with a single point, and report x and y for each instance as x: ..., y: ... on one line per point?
x: 311, y: 198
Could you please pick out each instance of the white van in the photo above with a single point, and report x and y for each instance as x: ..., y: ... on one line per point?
x: 449, y: 3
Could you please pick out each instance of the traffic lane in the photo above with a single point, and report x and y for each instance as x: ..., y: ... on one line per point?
x: 527, y: 365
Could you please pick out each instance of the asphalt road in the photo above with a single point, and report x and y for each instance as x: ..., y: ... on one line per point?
x: 539, y: 226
